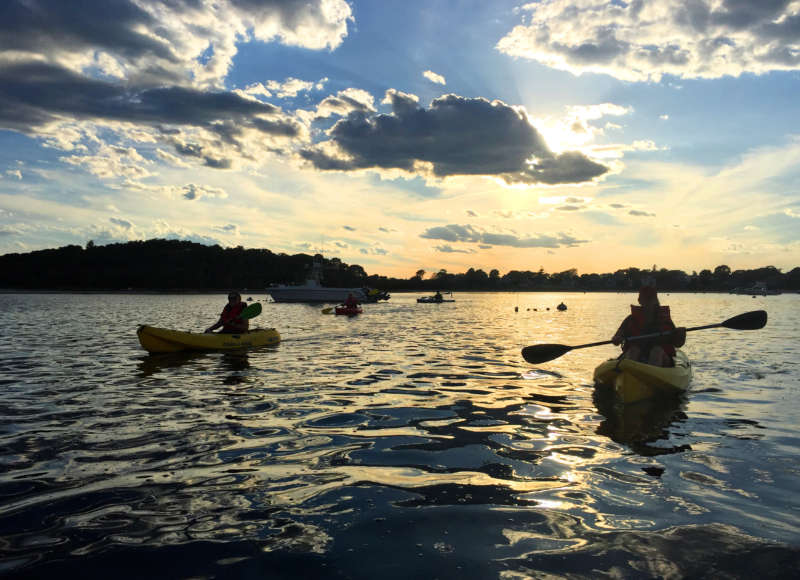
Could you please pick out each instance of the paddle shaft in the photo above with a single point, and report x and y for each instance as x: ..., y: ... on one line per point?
x: 646, y: 336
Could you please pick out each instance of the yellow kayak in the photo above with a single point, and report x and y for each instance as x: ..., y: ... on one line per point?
x: 633, y: 381
x: 155, y: 339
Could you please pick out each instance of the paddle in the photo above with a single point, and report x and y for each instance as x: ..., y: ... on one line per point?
x: 327, y: 310
x: 540, y: 353
x: 251, y: 311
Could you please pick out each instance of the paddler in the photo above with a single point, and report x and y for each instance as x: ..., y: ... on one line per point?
x: 649, y: 318
x: 229, y: 319
x: 351, y: 301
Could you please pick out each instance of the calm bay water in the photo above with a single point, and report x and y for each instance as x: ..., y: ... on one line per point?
x: 409, y: 442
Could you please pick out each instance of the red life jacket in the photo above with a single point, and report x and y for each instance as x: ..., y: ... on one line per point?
x: 231, y: 313
x: 637, y: 325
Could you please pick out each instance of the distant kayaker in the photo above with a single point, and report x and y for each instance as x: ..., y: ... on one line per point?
x: 351, y: 301
x: 649, y: 318
x: 438, y: 296
x: 229, y: 319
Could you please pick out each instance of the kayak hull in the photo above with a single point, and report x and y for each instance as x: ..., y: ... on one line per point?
x: 634, y: 381
x: 348, y: 311
x: 156, y: 340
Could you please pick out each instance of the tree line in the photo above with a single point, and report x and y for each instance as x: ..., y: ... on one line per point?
x: 174, y: 265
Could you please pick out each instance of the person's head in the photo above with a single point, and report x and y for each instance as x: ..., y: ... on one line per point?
x: 234, y: 297
x: 648, y: 296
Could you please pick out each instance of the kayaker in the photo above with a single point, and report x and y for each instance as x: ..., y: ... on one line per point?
x: 649, y: 318
x: 351, y: 302
x: 438, y: 296
x: 229, y: 319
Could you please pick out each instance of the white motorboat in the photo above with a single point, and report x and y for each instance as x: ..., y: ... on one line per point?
x: 313, y: 291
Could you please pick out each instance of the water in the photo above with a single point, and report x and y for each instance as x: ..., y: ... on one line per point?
x: 410, y: 442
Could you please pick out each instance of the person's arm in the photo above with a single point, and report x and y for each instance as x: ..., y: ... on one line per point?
x: 215, y: 326
x: 678, y: 337
x: 620, y: 336
x: 219, y: 322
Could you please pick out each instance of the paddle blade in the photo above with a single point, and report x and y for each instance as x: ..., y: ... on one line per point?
x: 539, y: 353
x: 251, y: 311
x: 747, y: 321
x: 327, y: 310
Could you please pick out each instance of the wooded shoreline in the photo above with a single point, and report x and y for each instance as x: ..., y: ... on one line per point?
x: 172, y: 266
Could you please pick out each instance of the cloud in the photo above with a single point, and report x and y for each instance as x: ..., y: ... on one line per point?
x: 171, y: 159
x: 14, y: 173
x: 167, y: 231
x: 34, y: 94
x: 193, y: 192
x: 645, y: 39
x: 476, y: 235
x: 153, y: 72
x: 228, y: 229
x: 448, y: 249
x: 12, y: 230
x: 374, y: 251
x: 155, y: 43
x: 124, y: 224
x: 345, y: 102
x: 579, y: 126
x: 113, y: 163
x: 292, y: 86
x: 434, y: 78
x: 454, y: 136
x: 641, y: 213
x: 215, y: 129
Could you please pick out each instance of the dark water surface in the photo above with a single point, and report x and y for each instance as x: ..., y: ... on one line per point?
x: 410, y: 442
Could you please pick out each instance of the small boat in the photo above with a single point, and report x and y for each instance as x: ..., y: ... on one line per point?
x: 759, y: 288
x: 436, y: 299
x: 633, y: 381
x: 561, y: 306
x: 348, y: 310
x: 156, y: 340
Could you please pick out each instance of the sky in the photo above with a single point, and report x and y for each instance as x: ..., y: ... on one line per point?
x: 433, y: 134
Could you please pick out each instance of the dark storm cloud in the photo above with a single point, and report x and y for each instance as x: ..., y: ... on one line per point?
x: 33, y: 94
x: 457, y: 136
x: 472, y: 234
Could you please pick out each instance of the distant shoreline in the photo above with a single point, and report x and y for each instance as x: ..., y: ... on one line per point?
x: 425, y: 292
